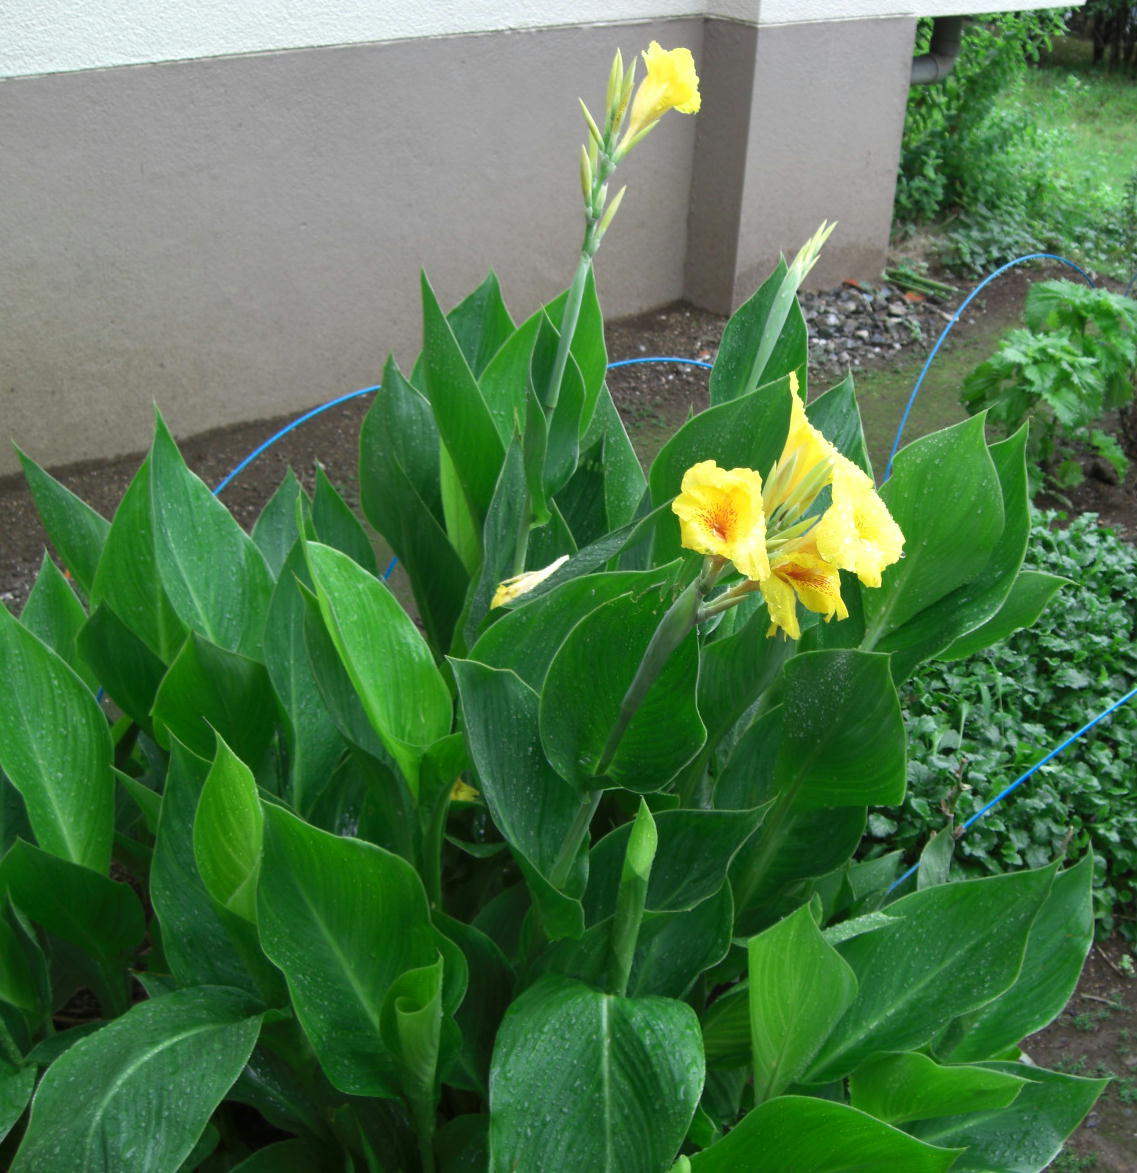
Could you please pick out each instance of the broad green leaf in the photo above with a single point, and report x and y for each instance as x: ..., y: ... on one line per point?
x: 951, y: 949
x: 103, y: 917
x: 624, y: 481
x: 504, y: 380
x: 335, y: 525
x: 342, y: 919
x: 75, y: 529
x: 527, y: 638
x: 55, y: 748
x: 1055, y: 952
x: 1025, y: 1136
x: 800, y: 1134
x: 209, y: 689
x: 314, y: 744
x: 531, y: 805
x: 292, y: 1156
x: 147, y: 1084
x: 944, y: 494
x: 378, y: 644
x: 835, y: 414
x: 908, y: 1085
x: 227, y: 833
x: 1029, y: 595
x: 587, y: 350
x: 799, y: 988
x: 463, y: 419
x: 695, y: 851
x: 197, y: 946
x: 16, y: 1086
x: 411, y: 1023
x: 212, y: 572
x: 579, y: 1081
x: 399, y: 477
x: 56, y: 616
x: 481, y: 323
x: 24, y: 980
x: 275, y: 530
x: 128, y: 670
x: 577, y: 724
x: 126, y: 578
x: 744, y: 335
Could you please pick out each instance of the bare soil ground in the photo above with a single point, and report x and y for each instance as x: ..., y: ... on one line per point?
x: 1097, y: 1034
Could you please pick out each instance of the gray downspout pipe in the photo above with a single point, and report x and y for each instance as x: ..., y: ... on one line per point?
x: 936, y: 64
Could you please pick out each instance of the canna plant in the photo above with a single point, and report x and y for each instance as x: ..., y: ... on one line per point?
x: 555, y: 870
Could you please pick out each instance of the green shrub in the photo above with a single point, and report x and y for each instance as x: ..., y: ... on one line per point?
x: 976, y: 724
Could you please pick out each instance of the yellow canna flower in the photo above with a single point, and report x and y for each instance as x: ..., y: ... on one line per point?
x: 857, y: 532
x: 671, y: 84
x: 720, y: 513
x: 520, y: 584
x: 461, y: 792
x: 801, y: 575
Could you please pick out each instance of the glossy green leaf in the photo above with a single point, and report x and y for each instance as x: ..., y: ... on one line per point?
x: 580, y: 1083
x: 1028, y: 598
x: 227, y: 833
x: 399, y: 477
x: 835, y: 414
x: 212, y: 572
x: 411, y: 1022
x: 75, y: 529
x: 743, y: 336
x: 799, y: 988
x: 464, y: 421
x: 126, y: 578
x: 292, y: 1156
x: 55, y: 748
x: 800, y: 1134
x: 944, y: 493
x: 337, y: 526
x: 103, y: 917
x: 1024, y: 1137
x: 908, y: 1085
x: 505, y: 377
x: 481, y: 323
x: 531, y: 805
x: 378, y: 643
x: 56, y: 616
x: 23, y: 968
x: 342, y: 919
x: 951, y: 949
x: 147, y: 1082
x: 624, y: 481
x: 606, y: 649
x: 210, y: 690
x: 16, y: 1086
x: 275, y: 530
x: 126, y: 668
x: 1056, y: 950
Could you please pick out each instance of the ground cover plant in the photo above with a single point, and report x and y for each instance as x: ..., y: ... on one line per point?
x: 975, y: 724
x: 560, y: 876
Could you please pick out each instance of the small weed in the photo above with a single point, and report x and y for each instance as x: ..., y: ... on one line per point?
x: 1127, y: 1091
x: 1071, y: 1162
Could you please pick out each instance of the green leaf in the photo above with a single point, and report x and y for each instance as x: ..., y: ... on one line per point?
x: 171, y: 1060
x: 411, y: 1022
x: 579, y: 1081
x: 504, y: 380
x: 126, y: 578
x: 378, y: 643
x: 56, y: 616
x: 335, y: 525
x: 75, y: 529
x: 227, y: 833
x: 945, y: 495
x: 342, y: 919
x: 16, y: 1086
x: 532, y: 807
x: 665, y: 731
x: 127, y: 669
x: 624, y: 482
x: 275, y: 530
x: 481, y: 323
x: 292, y: 1156
x: 799, y: 988
x: 1030, y: 593
x: 1055, y: 952
x: 800, y: 1134
x: 951, y: 949
x: 55, y: 748
x: 399, y: 477
x: 211, y: 570
x: 907, y: 1086
x: 197, y: 945
x: 745, y: 333
x: 463, y: 418
x: 103, y: 917
x: 208, y: 689
x: 24, y: 981
x: 1024, y: 1137
x: 837, y: 417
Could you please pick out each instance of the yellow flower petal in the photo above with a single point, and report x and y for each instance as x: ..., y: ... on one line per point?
x: 857, y: 532
x: 671, y: 84
x: 520, y: 584
x: 720, y: 512
x: 802, y: 576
